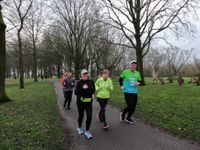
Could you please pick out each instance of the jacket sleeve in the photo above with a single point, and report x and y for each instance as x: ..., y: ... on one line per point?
x: 97, y: 85
x: 93, y: 87
x: 121, y: 81
x: 111, y: 85
x: 77, y: 88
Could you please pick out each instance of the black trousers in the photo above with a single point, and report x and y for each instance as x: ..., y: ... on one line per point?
x: 131, y: 102
x: 68, y: 98
x: 84, y: 106
x: 102, y: 115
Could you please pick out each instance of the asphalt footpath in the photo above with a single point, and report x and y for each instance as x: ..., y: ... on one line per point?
x: 120, y: 136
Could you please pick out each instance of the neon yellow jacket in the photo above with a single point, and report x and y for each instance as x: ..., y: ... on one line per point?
x: 103, y: 87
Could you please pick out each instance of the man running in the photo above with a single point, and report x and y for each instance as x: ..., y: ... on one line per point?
x: 84, y: 90
x: 103, y: 88
x: 68, y: 85
x: 129, y: 80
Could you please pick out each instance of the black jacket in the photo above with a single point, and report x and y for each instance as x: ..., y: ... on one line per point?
x: 85, y: 93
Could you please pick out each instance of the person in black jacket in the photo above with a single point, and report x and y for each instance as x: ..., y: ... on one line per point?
x: 84, y: 91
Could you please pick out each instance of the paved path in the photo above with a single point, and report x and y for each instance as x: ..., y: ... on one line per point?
x: 120, y: 136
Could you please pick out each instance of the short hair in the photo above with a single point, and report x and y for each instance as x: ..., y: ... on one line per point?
x: 105, y: 71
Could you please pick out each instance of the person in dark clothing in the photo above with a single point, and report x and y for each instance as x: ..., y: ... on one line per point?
x: 68, y: 85
x: 84, y: 91
x: 129, y: 81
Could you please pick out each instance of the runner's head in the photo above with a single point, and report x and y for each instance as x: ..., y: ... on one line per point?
x: 69, y: 74
x: 133, y: 65
x: 84, y: 74
x: 105, y: 74
x: 65, y: 74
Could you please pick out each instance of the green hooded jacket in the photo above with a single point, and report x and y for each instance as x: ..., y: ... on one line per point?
x: 103, y: 88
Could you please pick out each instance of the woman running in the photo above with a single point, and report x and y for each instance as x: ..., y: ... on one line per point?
x: 84, y: 90
x: 103, y: 87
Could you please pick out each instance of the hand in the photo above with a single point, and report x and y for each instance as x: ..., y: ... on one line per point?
x: 85, y: 86
x: 108, y: 87
x: 122, y: 87
x: 137, y: 83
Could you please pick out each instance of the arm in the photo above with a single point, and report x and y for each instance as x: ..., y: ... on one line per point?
x: 111, y: 85
x: 121, y: 81
x: 93, y: 87
x: 97, y: 86
x: 139, y: 82
x: 77, y: 88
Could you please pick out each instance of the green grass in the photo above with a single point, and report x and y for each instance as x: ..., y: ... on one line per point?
x: 174, y: 108
x: 31, y: 120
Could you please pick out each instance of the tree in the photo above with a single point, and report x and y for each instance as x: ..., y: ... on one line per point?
x: 142, y: 21
x: 176, y: 59
x: 77, y: 21
x: 33, y: 26
x: 3, y: 96
x: 18, y: 11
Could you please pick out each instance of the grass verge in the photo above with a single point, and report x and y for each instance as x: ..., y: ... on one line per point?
x: 174, y: 108
x: 31, y: 120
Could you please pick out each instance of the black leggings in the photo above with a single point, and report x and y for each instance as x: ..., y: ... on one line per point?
x: 87, y: 106
x: 131, y: 101
x: 68, y: 98
x: 102, y: 103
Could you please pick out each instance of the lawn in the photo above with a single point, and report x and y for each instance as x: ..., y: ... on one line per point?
x: 174, y: 108
x: 31, y: 120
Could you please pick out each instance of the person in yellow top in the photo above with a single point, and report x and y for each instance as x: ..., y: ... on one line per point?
x: 103, y: 88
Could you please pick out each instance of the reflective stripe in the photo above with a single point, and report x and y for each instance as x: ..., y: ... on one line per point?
x: 86, y: 99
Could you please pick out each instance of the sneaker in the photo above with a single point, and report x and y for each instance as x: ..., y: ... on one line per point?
x: 80, y: 130
x: 105, y: 126
x: 129, y: 120
x: 88, y: 134
x: 122, y: 118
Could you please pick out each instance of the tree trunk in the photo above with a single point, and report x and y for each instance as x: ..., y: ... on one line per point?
x: 139, y: 50
x: 3, y: 96
x: 34, y: 62
x: 140, y: 65
x: 77, y: 71
x: 21, y: 62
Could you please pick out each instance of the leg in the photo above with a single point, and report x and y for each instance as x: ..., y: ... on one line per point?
x: 133, y: 104
x: 100, y: 113
x: 127, y: 99
x: 69, y: 99
x: 103, y: 103
x: 80, y: 107
x: 88, y: 109
x: 65, y: 96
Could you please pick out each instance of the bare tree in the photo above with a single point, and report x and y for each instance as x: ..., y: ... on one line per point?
x: 155, y: 60
x: 77, y: 20
x: 34, y: 27
x: 176, y: 59
x: 3, y: 96
x: 17, y: 13
x: 142, y: 21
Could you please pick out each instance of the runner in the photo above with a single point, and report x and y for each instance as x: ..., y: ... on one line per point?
x: 103, y: 88
x: 68, y: 84
x: 129, y: 80
x: 84, y: 90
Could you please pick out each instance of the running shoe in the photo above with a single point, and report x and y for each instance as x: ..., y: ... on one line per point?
x: 105, y: 126
x: 88, y: 134
x: 122, y: 118
x: 129, y: 120
x: 80, y: 130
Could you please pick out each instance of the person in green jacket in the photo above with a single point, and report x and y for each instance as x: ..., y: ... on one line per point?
x: 103, y: 88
